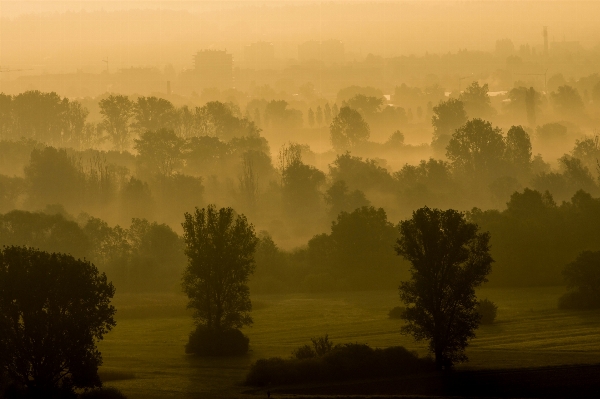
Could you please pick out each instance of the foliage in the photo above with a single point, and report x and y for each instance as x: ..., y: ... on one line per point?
x: 360, y: 174
x: 160, y: 152
x: 348, y: 129
x: 357, y: 254
x: 220, y: 120
x: 53, y: 310
x: 116, y: 112
x: 340, y: 199
x: 102, y: 393
x: 447, y: 117
x: 476, y: 100
x: 476, y: 148
x: 487, y: 310
x: 449, y: 258
x: 343, y: 362
x: 220, y: 249
x: 397, y: 312
x: 300, y: 192
x: 567, y: 101
x: 278, y: 116
x: 206, y: 342
x: 518, y: 149
x: 583, y: 281
x: 52, y: 233
x: 152, y: 114
x: 320, y: 347
x: 53, y: 177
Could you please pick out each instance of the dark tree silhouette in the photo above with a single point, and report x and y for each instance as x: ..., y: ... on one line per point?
x: 53, y: 310
x: 153, y: 113
x: 583, y: 282
x: 220, y: 248
x: 476, y: 100
x: 116, y: 112
x: 449, y: 258
x: 348, y: 129
x: 160, y: 152
x: 476, y: 148
x: 447, y: 117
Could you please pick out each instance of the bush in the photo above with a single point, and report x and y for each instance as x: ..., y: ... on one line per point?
x: 203, y: 342
x: 583, y: 282
x: 343, y: 362
x: 102, y: 393
x: 576, y: 300
x: 321, y: 346
x: 487, y: 310
x: 397, y: 312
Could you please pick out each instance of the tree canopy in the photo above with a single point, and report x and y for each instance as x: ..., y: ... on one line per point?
x: 220, y: 248
x: 348, y: 129
x: 53, y: 310
x: 449, y: 259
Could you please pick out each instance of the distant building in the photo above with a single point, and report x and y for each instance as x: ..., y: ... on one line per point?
x: 213, y: 68
x: 327, y: 52
x: 259, y: 55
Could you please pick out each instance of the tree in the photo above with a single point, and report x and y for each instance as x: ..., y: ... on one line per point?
x: 278, y: 116
x: 447, y: 117
x: 348, y: 129
x: 567, y: 101
x: 476, y: 100
x: 518, y: 149
x: 153, y: 113
x: 319, y: 115
x: 340, y: 199
x: 116, y: 112
x: 75, y: 124
x: 327, y: 113
x: 583, y: 280
x: 449, y: 259
x: 53, y: 177
x: 476, y: 148
x: 220, y: 249
x: 53, y: 310
x: 160, y: 151
x: 311, y: 117
x: 39, y: 115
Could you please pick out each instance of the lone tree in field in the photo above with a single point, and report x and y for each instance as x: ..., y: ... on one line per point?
x: 220, y: 248
x: 449, y: 258
x: 53, y: 310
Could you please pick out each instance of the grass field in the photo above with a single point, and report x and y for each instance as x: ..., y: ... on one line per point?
x: 144, y: 356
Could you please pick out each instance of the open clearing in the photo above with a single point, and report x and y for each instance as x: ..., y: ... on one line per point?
x: 144, y: 355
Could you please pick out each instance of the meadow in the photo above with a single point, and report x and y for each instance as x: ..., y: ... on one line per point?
x: 144, y: 355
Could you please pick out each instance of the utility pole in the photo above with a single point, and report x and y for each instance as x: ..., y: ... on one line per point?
x: 106, y: 61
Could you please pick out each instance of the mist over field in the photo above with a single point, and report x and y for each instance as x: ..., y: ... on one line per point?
x: 267, y: 198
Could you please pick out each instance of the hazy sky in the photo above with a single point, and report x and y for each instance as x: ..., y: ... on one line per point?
x: 62, y: 36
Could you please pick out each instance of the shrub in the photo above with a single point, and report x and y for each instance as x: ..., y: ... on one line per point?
x: 102, y: 393
x: 321, y: 346
x: 342, y: 362
x: 583, y: 282
x: 204, y: 342
x: 576, y: 300
x: 487, y: 310
x: 397, y: 312
x: 304, y: 352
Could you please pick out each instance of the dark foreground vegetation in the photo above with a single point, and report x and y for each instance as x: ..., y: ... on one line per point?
x: 344, y: 362
x: 578, y: 381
